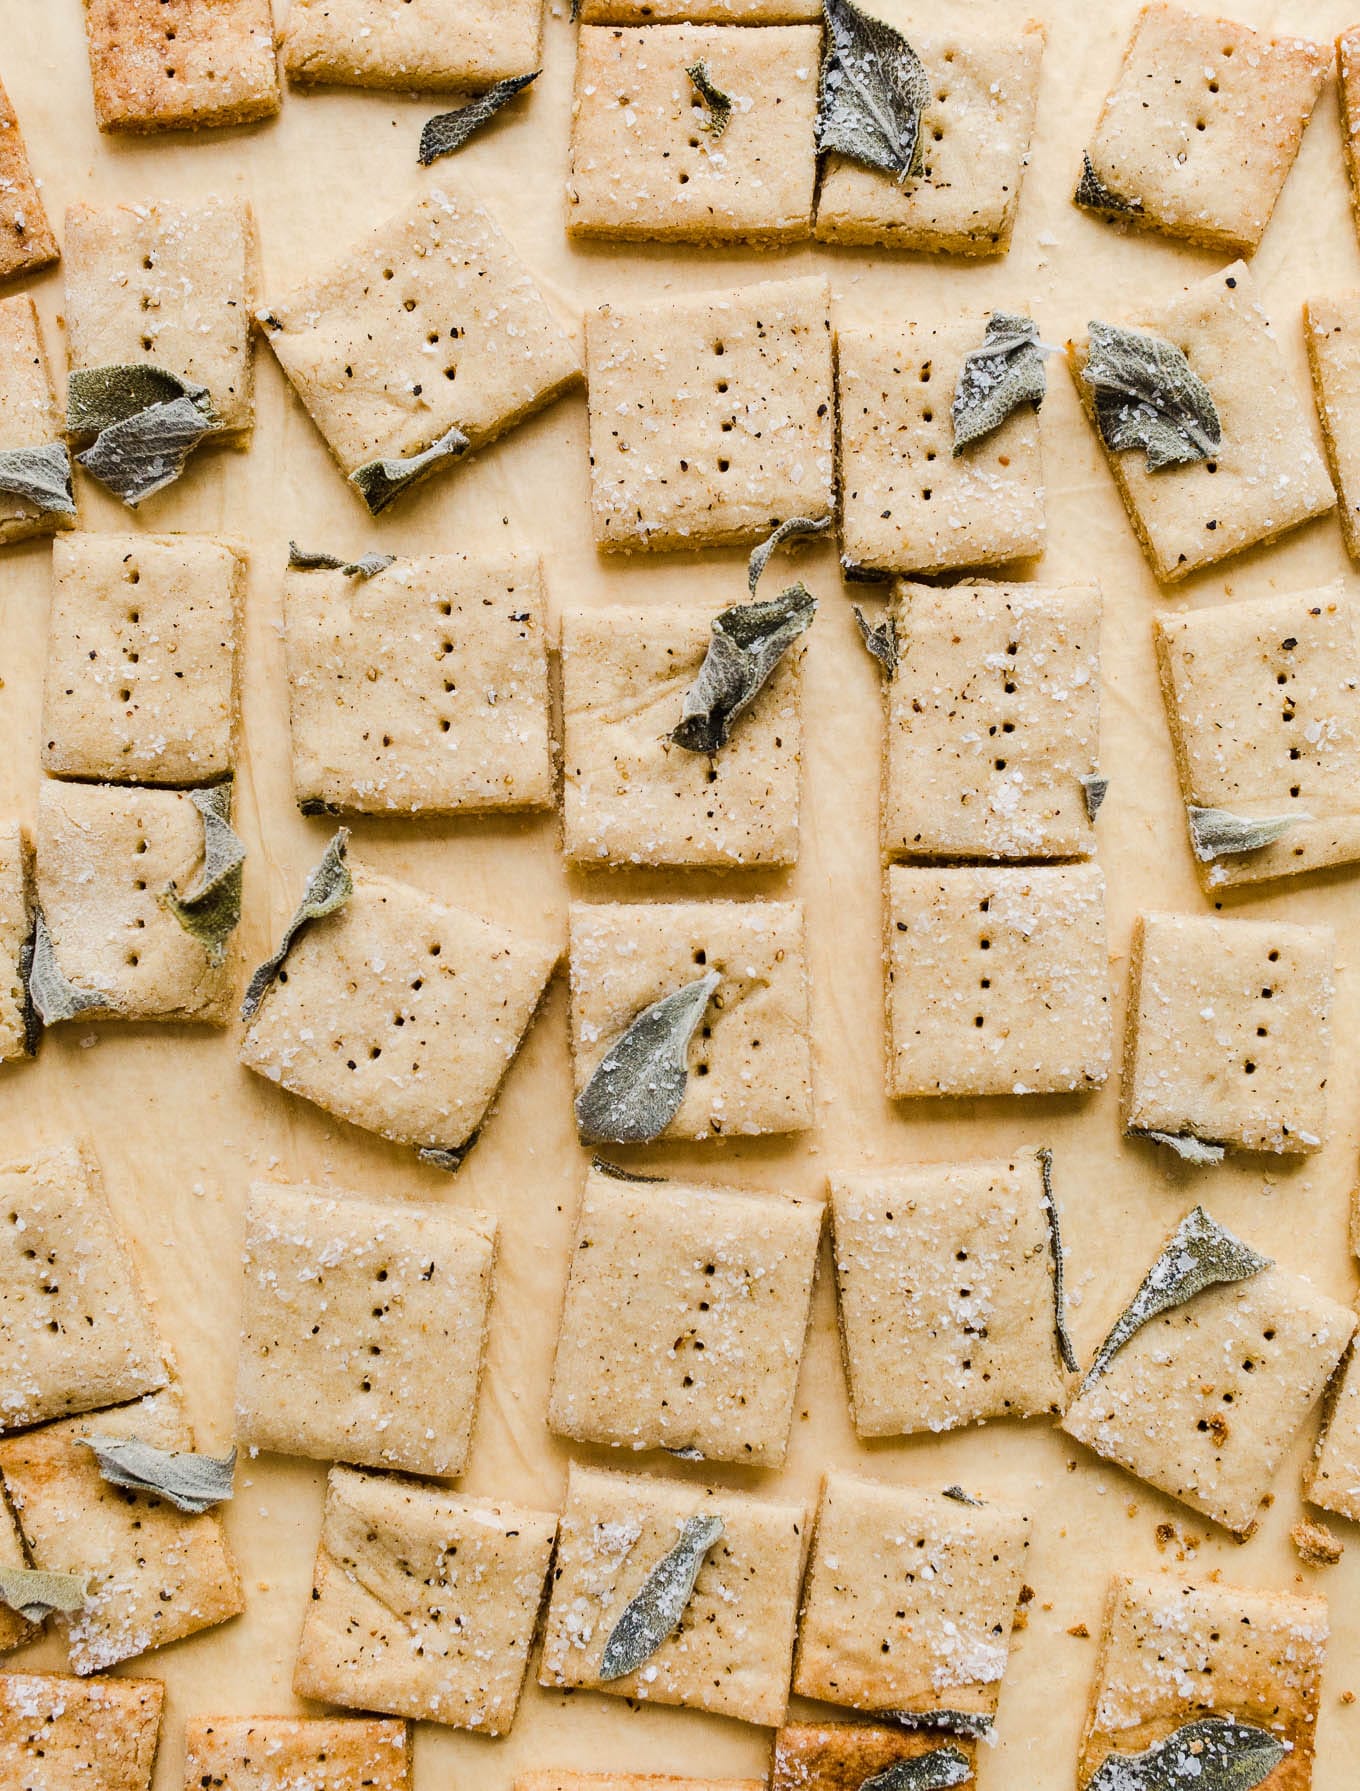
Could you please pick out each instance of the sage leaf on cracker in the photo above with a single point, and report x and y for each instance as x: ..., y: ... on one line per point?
x: 1217, y: 833
x: 447, y: 1156
x: 1094, y: 195
x: 786, y: 531
x: 996, y: 378
x: 971, y: 1723
x: 639, y: 1083
x: 617, y: 1174
x: 35, y: 1593
x: 1094, y: 788
x: 1060, y: 1331
x: 210, y: 909
x: 879, y: 640
x: 1212, y: 1754
x: 192, y: 1483
x: 40, y: 476
x: 1187, y: 1147
x: 935, y: 1771
x: 1148, y: 396
x: 329, y: 887
x: 379, y: 481
x: 145, y: 422
x: 53, y: 995
x: 448, y: 131
x: 299, y: 560
x: 654, y: 1612
x: 748, y: 642
x: 717, y: 104
x: 874, y: 90
x: 959, y: 1496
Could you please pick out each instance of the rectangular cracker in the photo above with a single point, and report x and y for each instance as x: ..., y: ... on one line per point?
x: 845, y: 1756
x: 26, y: 239
x: 1331, y: 330
x: 29, y: 417
x: 17, y: 1035
x: 1348, y: 75
x: 435, y: 45
x: 282, y: 1753
x: 59, y: 1733
x: 158, y: 65
x: 1332, y: 1478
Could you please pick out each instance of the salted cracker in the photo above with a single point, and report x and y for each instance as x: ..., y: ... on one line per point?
x: 1331, y: 330
x: 843, y: 1756
x: 1332, y: 1478
x: 26, y: 239
x: 158, y: 65
x: 29, y: 417
x: 436, y: 45
x: 60, y: 1733
x: 16, y: 930
x: 284, y: 1753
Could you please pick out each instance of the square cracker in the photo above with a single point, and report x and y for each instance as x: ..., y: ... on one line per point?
x: 845, y: 1756
x: 711, y: 415
x: 58, y: 1733
x: 16, y: 929
x: 684, y: 1319
x: 909, y: 1600
x: 1263, y: 703
x: 75, y: 1329
x: 1267, y: 475
x: 975, y: 134
x: 993, y: 718
x: 429, y: 323
x: 169, y: 285
x: 142, y: 684
x: 1332, y: 1478
x: 159, y: 65
x: 107, y: 854
x: 153, y: 1574
x: 421, y: 690
x: 1203, y: 124
x: 998, y: 980
x: 1229, y: 1033
x: 15, y: 1629
x: 947, y: 1301
x: 29, y: 417
x: 363, y: 1329
x: 423, y: 1605
x: 1173, y: 1653
x: 400, y: 1014
x: 284, y: 1753
x: 645, y: 165
x: 750, y: 1060
x: 26, y: 239
x: 432, y: 45
x: 730, y: 1652
x: 1331, y: 329
x: 630, y: 796
x: 909, y: 504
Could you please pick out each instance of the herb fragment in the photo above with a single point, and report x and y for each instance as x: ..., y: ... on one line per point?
x: 1189, y: 1148
x: 301, y: 561
x: 786, y: 531
x: 145, y: 422
x: 940, y: 1768
x: 40, y: 476
x: 1147, y: 396
x: 35, y: 1594
x: 379, y: 481
x: 1094, y: 788
x: 1213, y: 1753
x: 639, y: 1083
x: 717, y: 103
x: 448, y: 131
x: 997, y: 378
x: 1096, y: 196
x: 329, y: 887
x: 874, y: 91
x: 747, y: 643
x: 613, y: 1171
x: 880, y: 641
x: 960, y: 1496
x: 1055, y: 1244
x: 654, y: 1612
x: 55, y: 998
x: 189, y: 1482
x: 955, y: 1722
x: 1216, y: 833
x: 447, y: 1156
x: 210, y: 910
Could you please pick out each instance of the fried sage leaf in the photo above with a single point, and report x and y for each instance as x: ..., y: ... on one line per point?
x: 329, y: 887
x: 874, y: 91
x: 192, y: 1483
x: 748, y: 642
x: 959, y: 1496
x: 998, y: 377
x: 941, y: 1767
x: 448, y: 1156
x: 1217, y: 833
x: 1055, y: 1244
x: 1187, y: 1147
x: 1200, y: 1253
x: 615, y: 1173
x: 448, y: 131
x: 717, y: 103
x: 210, y: 910
x: 379, y: 481
x: 1094, y: 788
x: 880, y: 641
x: 1212, y: 1754
x: 35, y: 1594
x: 640, y: 1081
x: 1094, y: 195
x: 1148, y: 396
x: 953, y: 1722
x: 53, y: 997
x: 145, y: 422
x: 40, y: 476
x: 655, y: 1610
x: 299, y: 560
x: 793, y: 525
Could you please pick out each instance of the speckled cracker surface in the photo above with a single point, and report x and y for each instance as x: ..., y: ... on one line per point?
x: 280, y: 1753
x: 159, y: 65
x: 909, y: 1600
x: 646, y: 162
x: 909, y: 504
x: 29, y: 417
x: 16, y: 927
x: 363, y: 1328
x: 730, y: 1652
x: 463, y: 45
x: 684, y: 1319
x: 709, y: 12
x: 1229, y: 1031
x: 26, y: 239
x: 998, y: 980
x: 423, y: 1605
x: 631, y: 796
x: 711, y: 416
x: 750, y: 1061
x: 1331, y: 328
x: 421, y: 690
x: 844, y: 1756
x: 1332, y: 1478
x: 58, y: 1733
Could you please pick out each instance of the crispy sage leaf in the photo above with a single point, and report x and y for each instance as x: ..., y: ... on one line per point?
x: 210, y: 910
x: 35, y: 1594
x: 448, y: 131
x: 145, y: 422
x: 1148, y: 396
x: 941, y: 1767
x: 1216, y: 833
x: 613, y: 1171
x: 1200, y: 1253
x: 1094, y: 788
x: 299, y: 560
x: 379, y: 481
x: 998, y: 377
x: 1189, y: 1148
x: 449, y: 1157
x: 717, y: 103
x: 40, y: 476
x: 329, y: 887
x: 1211, y: 1754
x: 32, y: 1019
x: 1096, y: 196
x: 54, y: 997
x: 748, y: 642
x: 880, y: 641
x: 655, y: 1610
x: 1055, y: 1244
x: 638, y: 1086
x: 953, y: 1722
x: 959, y: 1496
x: 874, y: 91
x: 191, y: 1483
x: 793, y: 525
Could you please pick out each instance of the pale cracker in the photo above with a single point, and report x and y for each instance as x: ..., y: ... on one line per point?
x: 29, y: 417
x: 1332, y: 1478
x: 58, y: 1733
x: 1348, y: 76
x: 16, y: 929
x: 434, y: 45
x: 284, y: 1753
x: 845, y: 1756
x: 26, y: 239
x: 1331, y: 329
x: 158, y: 65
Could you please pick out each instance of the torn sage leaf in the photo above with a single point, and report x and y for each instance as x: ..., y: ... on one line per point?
x: 941, y: 1767
x: 1148, y: 396
x: 1215, y: 833
x: 640, y: 1081
x: 717, y: 104
x: 880, y: 640
x: 53, y: 996
x: 1094, y: 788
x: 192, y: 1483
x: 371, y: 563
x: 448, y: 1156
x: 791, y: 526
x: 1200, y: 1253
x: 40, y: 476
x: 145, y: 422
x: 448, y: 131
x: 379, y: 481
x: 747, y: 643
x: 210, y: 909
x: 35, y: 1593
x: 654, y: 1612
x: 1212, y: 1754
x: 954, y: 1722
x: 1006, y: 371
x: 1187, y: 1147
x: 329, y: 887
x: 1055, y: 1244
x: 1094, y: 195
x: 874, y: 91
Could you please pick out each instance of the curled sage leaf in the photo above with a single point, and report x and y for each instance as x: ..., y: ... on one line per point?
x: 1148, y: 396
x: 1094, y: 195
x: 881, y: 640
x: 210, y: 909
x: 1212, y: 1754
x: 748, y: 642
x: 145, y: 422
x: 639, y: 1083
x: 329, y: 887
x: 790, y: 527
x: 655, y: 1610
x: 971, y: 1723
x: 448, y: 131
x: 1006, y: 371
x: 1187, y: 1147
x: 717, y: 104
x: 40, y: 476
x: 1200, y: 1253
x: 1216, y: 833
x: 192, y: 1483
x: 941, y: 1767
x: 35, y: 1593
x: 1055, y: 1244
x: 379, y: 481
x: 299, y: 560
x: 53, y: 996
x: 1094, y: 788
x: 874, y: 91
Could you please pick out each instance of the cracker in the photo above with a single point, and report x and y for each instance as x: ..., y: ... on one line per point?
x: 550, y: 1779
x: 75, y: 1329
x: 423, y: 1605
x: 1263, y: 703
x: 107, y: 855
x: 363, y: 1330
x: 1173, y: 1653
x: 16, y: 928
x: 15, y: 1629
x: 998, y: 980
x: 169, y: 285
x: 705, y: 12
x: 684, y: 1319
x: 159, y: 65
x: 993, y: 718
x: 844, y: 1756
x: 28, y: 413
x: 1332, y: 1479
x: 153, y: 1573
x: 1229, y: 1036
x: 1348, y: 74
x: 908, y: 503
x: 1203, y: 124
x: 58, y: 1733
x: 26, y: 239
x: 281, y: 1753
x: 730, y: 1652
x: 632, y: 797
x: 1266, y: 477
x: 947, y: 1312
x: 431, y: 322
x: 909, y: 1600
x: 975, y: 134
x: 750, y: 1061
x: 142, y: 681
x: 645, y: 163
x: 711, y: 416
x: 1331, y: 329
x: 461, y: 46
x: 421, y: 690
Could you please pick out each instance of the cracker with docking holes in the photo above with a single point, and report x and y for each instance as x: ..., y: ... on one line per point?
x: 60, y: 1733
x: 283, y: 1753
x: 18, y: 1037
x: 458, y: 46
x: 164, y: 65
x: 26, y: 239
x: 29, y: 418
x: 1331, y: 329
